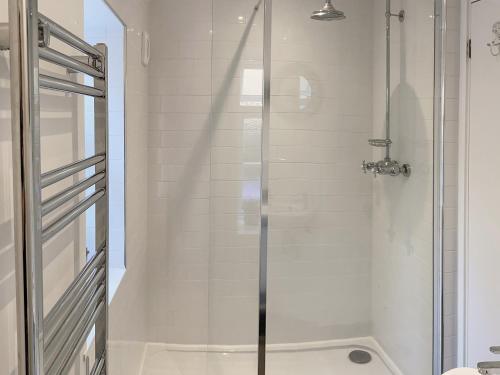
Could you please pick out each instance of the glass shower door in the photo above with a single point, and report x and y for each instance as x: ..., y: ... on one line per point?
x: 235, y: 190
x: 350, y: 256
x: 205, y: 144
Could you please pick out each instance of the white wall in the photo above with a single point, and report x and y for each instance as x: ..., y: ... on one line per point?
x: 204, y: 159
x: 205, y: 169
x: 451, y: 185
x: 320, y: 201
x: 127, y: 314
x: 320, y: 124
x: 402, y: 257
x: 179, y: 162
x: 103, y: 26
x: 235, y: 171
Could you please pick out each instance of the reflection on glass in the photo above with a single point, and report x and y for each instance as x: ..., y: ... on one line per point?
x: 305, y: 92
x: 251, y: 88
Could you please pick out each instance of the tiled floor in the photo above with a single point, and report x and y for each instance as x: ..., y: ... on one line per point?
x: 331, y: 361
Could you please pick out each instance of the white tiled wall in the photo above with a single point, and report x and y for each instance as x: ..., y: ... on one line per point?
x: 204, y: 171
x: 101, y: 25
x: 402, y: 255
x: 179, y: 177
x: 451, y: 184
x: 235, y: 171
x: 320, y: 202
x: 336, y: 268
x: 128, y: 310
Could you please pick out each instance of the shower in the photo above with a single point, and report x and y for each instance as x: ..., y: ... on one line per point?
x: 328, y: 13
x: 387, y: 166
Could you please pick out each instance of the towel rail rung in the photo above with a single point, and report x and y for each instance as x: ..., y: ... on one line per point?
x: 78, y: 335
x: 69, y: 38
x: 56, y: 57
x: 67, y: 194
x: 58, y: 84
x: 59, y: 334
x: 69, y: 216
x: 68, y: 300
x: 66, y: 171
x: 98, y: 366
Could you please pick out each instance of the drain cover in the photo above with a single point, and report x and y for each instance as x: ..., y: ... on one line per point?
x: 360, y: 357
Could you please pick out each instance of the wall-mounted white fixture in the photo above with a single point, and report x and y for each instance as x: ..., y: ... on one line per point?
x: 495, y: 43
x: 146, y: 48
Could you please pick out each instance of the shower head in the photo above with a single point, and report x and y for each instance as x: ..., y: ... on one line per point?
x: 328, y: 13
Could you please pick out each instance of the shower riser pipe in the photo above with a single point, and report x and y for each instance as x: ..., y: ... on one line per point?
x: 388, y: 79
x: 387, y: 166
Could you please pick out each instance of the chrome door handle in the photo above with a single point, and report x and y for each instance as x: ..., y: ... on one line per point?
x: 495, y: 349
x: 488, y: 368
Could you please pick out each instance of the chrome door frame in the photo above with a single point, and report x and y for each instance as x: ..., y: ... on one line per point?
x: 264, y: 185
x: 440, y: 33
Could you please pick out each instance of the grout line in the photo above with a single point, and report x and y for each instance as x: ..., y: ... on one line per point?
x: 143, y: 358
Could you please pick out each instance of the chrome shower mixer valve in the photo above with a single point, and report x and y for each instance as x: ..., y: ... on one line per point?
x: 386, y: 167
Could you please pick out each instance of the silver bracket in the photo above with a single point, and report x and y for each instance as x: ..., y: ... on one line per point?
x: 380, y: 142
x: 83, y: 59
x: 88, y: 60
x: 98, y: 64
x: 401, y: 15
x: 43, y: 34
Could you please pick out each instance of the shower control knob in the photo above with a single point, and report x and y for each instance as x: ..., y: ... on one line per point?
x: 368, y: 167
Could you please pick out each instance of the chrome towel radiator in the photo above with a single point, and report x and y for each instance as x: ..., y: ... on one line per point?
x: 49, y: 344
